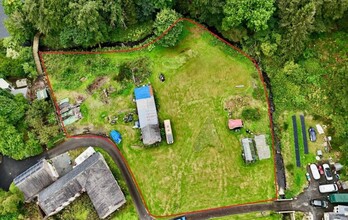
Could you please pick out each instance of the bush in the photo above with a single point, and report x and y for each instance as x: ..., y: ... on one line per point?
x: 251, y: 114
x: 164, y: 20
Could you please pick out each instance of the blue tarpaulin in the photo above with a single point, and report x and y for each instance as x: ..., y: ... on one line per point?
x: 143, y: 92
x: 116, y: 136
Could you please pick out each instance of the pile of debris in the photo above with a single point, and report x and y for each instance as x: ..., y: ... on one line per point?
x: 70, y: 113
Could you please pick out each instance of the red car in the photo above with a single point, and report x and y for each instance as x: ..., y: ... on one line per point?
x: 321, y: 170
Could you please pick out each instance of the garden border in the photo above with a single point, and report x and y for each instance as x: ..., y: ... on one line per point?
x: 41, y: 53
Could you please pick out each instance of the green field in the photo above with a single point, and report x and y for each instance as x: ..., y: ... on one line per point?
x: 204, y: 167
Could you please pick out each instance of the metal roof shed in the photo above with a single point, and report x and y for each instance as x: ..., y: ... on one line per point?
x: 248, y: 150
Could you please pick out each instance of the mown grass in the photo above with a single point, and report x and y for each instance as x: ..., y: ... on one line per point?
x: 204, y: 167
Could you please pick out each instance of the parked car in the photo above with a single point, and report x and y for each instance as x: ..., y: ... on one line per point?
x: 328, y: 188
x: 319, y: 203
x: 315, y: 171
x: 312, y: 134
x: 327, y: 171
x: 308, y: 177
x: 321, y: 170
x: 180, y: 218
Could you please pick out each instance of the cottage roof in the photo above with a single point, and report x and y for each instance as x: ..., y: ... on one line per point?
x: 235, y: 123
x: 92, y: 176
x: 34, y: 179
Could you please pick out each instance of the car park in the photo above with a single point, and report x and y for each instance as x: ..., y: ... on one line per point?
x: 321, y: 170
x: 315, y: 171
x: 319, y: 203
x: 327, y: 171
x: 312, y: 134
x: 328, y: 188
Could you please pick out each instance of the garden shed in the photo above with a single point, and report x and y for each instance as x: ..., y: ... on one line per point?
x: 147, y: 113
x: 235, y: 124
x: 263, y: 151
x: 249, y: 154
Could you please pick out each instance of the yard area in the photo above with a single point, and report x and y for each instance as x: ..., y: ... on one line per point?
x: 205, y: 82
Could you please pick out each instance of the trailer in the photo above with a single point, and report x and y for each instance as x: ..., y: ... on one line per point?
x: 338, y: 198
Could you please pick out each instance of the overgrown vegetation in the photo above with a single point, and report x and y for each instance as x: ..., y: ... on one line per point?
x: 11, y: 203
x: 25, y: 128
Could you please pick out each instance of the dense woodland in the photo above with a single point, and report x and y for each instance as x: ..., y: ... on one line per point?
x: 300, y: 44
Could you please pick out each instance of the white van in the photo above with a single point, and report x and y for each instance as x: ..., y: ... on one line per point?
x: 315, y: 171
x: 328, y: 188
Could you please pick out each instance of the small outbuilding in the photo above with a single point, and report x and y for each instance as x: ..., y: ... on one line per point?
x: 168, y: 130
x: 235, y: 124
x: 249, y: 154
x: 41, y: 94
x: 21, y: 83
x: 263, y: 151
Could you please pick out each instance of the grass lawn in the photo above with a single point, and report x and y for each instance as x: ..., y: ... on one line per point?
x: 204, y: 167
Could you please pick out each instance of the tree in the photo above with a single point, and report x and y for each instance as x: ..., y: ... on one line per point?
x: 296, y: 21
x: 11, y: 202
x: 164, y: 20
x: 12, y: 108
x: 252, y: 13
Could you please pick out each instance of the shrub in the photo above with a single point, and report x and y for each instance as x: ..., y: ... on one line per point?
x: 251, y: 114
x: 164, y: 19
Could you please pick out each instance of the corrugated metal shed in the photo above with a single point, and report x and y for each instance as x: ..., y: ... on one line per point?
x: 147, y: 114
x: 263, y: 150
x: 92, y: 176
x: 248, y: 150
x: 34, y: 179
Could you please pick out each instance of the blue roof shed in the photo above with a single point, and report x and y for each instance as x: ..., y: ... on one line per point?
x: 116, y: 136
x: 143, y: 92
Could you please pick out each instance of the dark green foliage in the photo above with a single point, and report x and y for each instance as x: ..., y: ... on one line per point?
x: 11, y: 203
x: 252, y: 13
x: 164, y: 20
x: 136, y: 70
x: 252, y: 114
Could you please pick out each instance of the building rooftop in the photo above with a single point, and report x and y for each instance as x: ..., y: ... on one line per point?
x: 263, y: 150
x: 36, y: 178
x: 235, y: 123
x: 248, y: 150
x: 147, y: 114
x: 62, y: 163
x: 92, y: 176
x: 41, y: 94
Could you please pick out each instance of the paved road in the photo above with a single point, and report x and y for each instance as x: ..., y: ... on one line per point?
x: 3, y: 31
